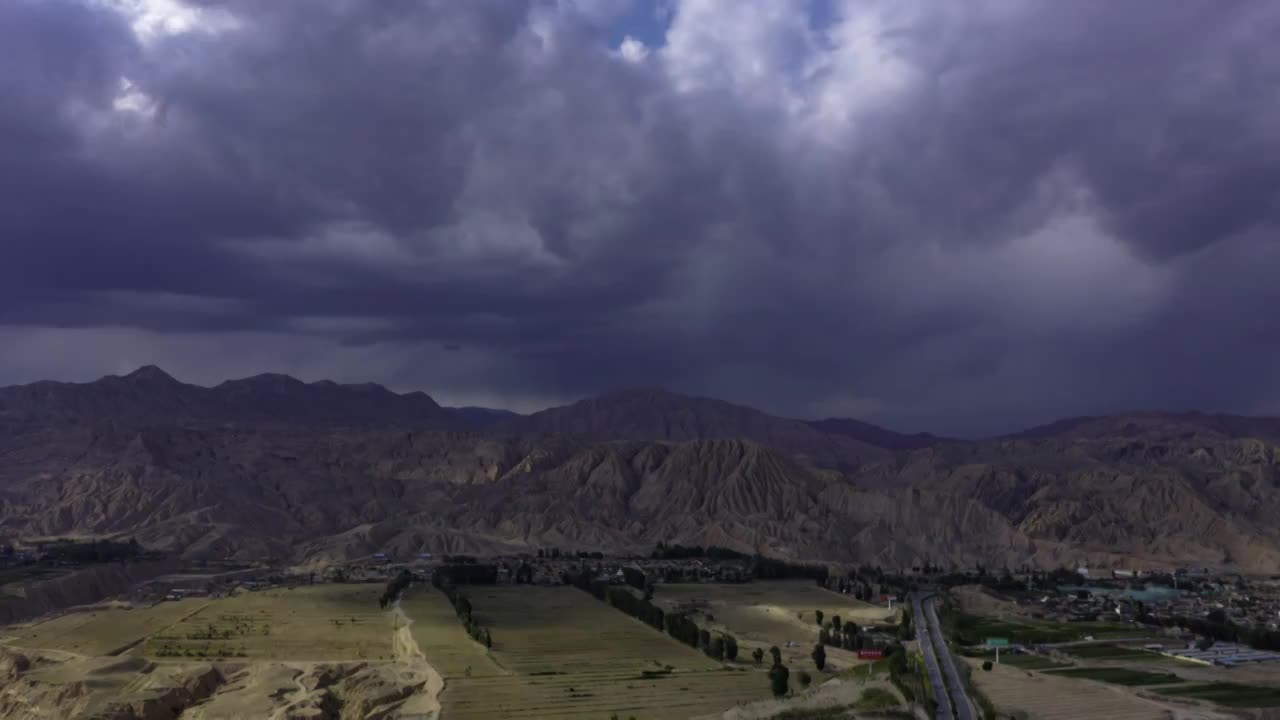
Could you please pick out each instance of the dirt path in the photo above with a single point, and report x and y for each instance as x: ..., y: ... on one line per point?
x: 302, y: 694
x: 425, y: 704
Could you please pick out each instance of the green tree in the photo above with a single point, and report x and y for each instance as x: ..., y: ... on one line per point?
x: 758, y: 655
x: 836, y: 625
x: 778, y: 679
x: 704, y: 639
x: 777, y: 655
x: 819, y: 656
x: 730, y: 648
x: 817, y: 614
x: 716, y: 648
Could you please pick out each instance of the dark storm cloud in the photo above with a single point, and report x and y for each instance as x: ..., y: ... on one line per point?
x: 959, y: 218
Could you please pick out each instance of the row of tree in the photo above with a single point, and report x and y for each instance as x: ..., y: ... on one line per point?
x: 556, y: 554
x: 854, y: 586
x: 397, y: 585
x: 92, y: 551
x: 462, y: 606
x: 766, y: 568
x: 468, y: 573
x: 684, y: 552
x: 720, y: 646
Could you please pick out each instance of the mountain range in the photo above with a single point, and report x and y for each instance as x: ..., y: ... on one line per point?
x: 270, y: 466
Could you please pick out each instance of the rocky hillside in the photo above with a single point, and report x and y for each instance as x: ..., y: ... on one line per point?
x: 282, y: 493
x: 321, y: 473
x: 149, y: 396
x: 662, y: 415
x: 876, y: 435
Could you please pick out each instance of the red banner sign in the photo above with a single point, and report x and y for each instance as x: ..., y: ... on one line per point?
x: 871, y: 654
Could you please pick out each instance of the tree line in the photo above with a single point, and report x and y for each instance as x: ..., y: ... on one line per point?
x: 462, y: 606
x: 471, y: 573
x: 675, y: 551
x: 93, y: 551
x: 767, y: 568
x: 395, y: 586
x: 720, y: 646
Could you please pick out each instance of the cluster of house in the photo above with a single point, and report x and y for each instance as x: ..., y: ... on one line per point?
x: 1224, y: 654
x: 11, y: 554
x: 1246, y: 602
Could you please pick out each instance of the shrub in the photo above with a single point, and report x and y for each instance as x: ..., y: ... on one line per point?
x: 804, y: 678
x: 716, y: 648
x: 986, y: 665
x: 730, y: 648
x: 778, y: 679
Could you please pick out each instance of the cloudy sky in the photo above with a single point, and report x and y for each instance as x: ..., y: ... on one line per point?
x: 962, y: 217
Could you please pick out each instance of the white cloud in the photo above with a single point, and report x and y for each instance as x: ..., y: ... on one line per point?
x: 154, y: 19
x: 632, y: 50
x: 755, y: 48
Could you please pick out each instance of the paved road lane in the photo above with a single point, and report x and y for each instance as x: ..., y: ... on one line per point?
x: 960, y: 699
x: 931, y: 660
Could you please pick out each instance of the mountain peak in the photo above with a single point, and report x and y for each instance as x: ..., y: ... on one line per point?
x: 878, y: 436
x: 150, y: 374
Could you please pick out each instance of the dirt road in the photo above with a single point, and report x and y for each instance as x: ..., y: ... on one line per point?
x: 425, y: 703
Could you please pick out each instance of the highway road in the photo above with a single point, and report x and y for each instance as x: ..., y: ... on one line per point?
x: 963, y: 705
x: 931, y: 661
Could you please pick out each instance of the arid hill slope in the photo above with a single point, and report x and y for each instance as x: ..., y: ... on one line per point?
x: 229, y: 472
x: 662, y: 415
x: 149, y: 396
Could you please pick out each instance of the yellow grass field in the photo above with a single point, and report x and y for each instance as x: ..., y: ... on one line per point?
x: 104, y: 631
x: 571, y: 656
x: 307, y: 623
x: 768, y: 613
x: 442, y: 639
x: 1047, y: 697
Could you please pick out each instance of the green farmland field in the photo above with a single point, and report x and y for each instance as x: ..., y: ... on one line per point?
x: 1229, y: 694
x: 1118, y: 676
x: 567, y: 655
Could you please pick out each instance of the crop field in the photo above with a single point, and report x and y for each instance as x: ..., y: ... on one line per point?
x: 973, y: 629
x: 571, y: 656
x: 563, y: 629
x: 1030, y: 662
x: 441, y: 637
x: 768, y: 613
x: 104, y: 631
x: 1048, y: 696
x: 1228, y: 694
x: 1118, y: 676
x: 311, y: 622
x: 1109, y: 652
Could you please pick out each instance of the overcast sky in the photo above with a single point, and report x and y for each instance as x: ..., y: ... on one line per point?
x: 962, y: 217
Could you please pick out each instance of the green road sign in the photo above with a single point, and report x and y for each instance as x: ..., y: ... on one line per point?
x: 997, y: 642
